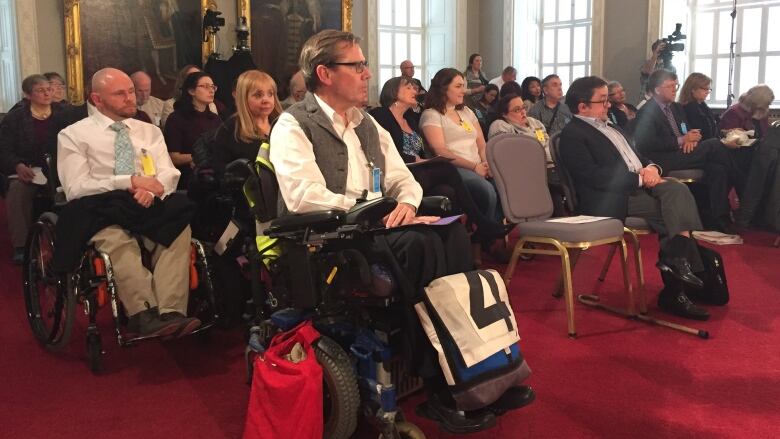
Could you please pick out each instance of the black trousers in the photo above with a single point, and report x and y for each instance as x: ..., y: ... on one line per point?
x: 420, y: 254
x: 758, y: 165
x: 720, y: 174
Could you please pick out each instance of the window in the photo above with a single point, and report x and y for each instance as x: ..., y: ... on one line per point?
x: 418, y: 30
x: 9, y: 71
x: 553, y: 36
x: 709, y: 25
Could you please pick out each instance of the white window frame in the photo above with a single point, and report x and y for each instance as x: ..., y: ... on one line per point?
x: 450, y: 19
x: 10, y: 82
x: 408, y: 31
x: 688, y: 17
x: 528, y: 39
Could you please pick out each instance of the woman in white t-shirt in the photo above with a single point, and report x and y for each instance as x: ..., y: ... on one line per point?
x: 452, y: 130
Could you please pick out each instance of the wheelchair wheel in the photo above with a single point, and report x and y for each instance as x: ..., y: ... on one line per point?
x: 50, y: 306
x: 341, y: 399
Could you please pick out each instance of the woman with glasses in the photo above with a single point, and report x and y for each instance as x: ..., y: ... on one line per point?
x: 27, y: 135
x: 619, y: 113
x: 191, y: 118
x: 396, y: 114
x: 58, y: 87
x: 692, y: 97
x: 514, y: 119
x: 215, y: 107
x: 452, y: 130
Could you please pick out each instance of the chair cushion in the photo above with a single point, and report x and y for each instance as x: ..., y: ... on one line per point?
x: 635, y: 222
x: 686, y: 175
x: 592, y: 231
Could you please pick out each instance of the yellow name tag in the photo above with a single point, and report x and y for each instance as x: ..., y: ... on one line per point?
x: 540, y: 135
x: 467, y: 126
x: 148, y: 164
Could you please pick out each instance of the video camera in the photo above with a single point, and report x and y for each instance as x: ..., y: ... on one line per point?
x: 670, y: 45
x: 212, y: 22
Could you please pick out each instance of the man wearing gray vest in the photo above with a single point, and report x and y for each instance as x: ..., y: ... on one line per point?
x: 328, y: 153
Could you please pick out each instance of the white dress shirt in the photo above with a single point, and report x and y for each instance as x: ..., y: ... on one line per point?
x: 498, y: 82
x: 85, y: 156
x: 301, y: 182
x: 154, y: 108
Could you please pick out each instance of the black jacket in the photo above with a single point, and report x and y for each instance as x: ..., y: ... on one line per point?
x: 599, y: 174
x: 386, y: 119
x: 700, y: 117
x: 652, y: 133
x: 227, y: 148
x: 82, y: 218
x: 17, y: 143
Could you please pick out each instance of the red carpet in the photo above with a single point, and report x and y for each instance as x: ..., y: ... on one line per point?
x: 619, y: 379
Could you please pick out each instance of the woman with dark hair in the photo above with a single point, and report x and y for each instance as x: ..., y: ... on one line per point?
x: 452, y: 130
x: 27, y: 135
x: 58, y: 87
x: 257, y: 107
x: 396, y: 115
x: 475, y: 79
x: 509, y: 87
x: 191, y: 118
x: 513, y: 118
x: 531, y: 91
x: 215, y: 107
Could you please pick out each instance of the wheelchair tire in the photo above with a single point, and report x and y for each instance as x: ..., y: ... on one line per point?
x: 341, y: 398
x: 50, y: 304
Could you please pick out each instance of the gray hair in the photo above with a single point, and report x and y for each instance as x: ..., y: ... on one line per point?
x: 612, y: 85
x: 31, y: 81
x: 322, y: 49
x: 757, y: 98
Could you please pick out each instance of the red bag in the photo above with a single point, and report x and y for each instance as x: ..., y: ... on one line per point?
x: 286, y: 397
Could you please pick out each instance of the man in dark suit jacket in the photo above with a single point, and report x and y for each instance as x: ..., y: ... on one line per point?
x: 611, y: 179
x: 661, y: 133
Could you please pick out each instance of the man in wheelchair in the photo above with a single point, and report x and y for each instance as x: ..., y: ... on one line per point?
x: 329, y: 154
x: 118, y: 168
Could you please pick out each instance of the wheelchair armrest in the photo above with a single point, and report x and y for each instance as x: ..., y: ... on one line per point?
x: 293, y: 222
x: 236, y: 173
x: 371, y: 212
x: 434, y: 205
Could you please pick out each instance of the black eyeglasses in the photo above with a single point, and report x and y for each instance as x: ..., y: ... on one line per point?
x: 359, y: 66
x: 603, y: 102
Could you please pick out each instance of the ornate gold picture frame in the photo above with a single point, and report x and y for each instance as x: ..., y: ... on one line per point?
x: 161, y: 37
x: 276, y: 35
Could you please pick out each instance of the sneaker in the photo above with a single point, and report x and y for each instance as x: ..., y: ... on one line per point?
x: 18, y: 256
x: 186, y: 324
x: 148, y: 323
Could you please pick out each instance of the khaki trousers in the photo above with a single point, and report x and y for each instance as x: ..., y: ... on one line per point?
x: 19, y: 201
x: 166, y: 287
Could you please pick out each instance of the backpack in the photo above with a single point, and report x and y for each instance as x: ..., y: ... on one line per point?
x: 472, y: 327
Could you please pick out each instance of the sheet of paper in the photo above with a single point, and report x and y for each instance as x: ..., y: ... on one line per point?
x: 40, y: 178
x: 579, y: 219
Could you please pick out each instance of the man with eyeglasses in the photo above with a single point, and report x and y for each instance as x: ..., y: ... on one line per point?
x: 662, y: 134
x: 612, y: 179
x: 328, y: 154
x: 407, y: 71
x: 119, y: 170
x: 147, y: 103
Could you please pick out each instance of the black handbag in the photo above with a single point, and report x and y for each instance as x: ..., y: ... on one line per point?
x: 715, y: 290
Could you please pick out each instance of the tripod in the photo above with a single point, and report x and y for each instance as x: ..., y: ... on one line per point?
x: 732, y: 56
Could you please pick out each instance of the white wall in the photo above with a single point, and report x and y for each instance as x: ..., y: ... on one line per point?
x: 625, y: 43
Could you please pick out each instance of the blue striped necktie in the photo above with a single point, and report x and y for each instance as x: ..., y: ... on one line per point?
x: 672, y: 122
x: 124, y: 156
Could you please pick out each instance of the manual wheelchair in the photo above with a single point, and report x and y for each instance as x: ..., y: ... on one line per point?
x: 317, y: 266
x: 51, y: 298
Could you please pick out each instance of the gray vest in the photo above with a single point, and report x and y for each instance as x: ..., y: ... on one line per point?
x: 330, y: 152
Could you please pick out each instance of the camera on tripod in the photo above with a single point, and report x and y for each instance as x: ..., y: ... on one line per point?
x: 212, y: 19
x: 670, y: 46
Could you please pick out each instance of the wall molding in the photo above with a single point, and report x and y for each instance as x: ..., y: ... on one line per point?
x: 653, y: 22
x: 597, y: 39
x: 507, y: 50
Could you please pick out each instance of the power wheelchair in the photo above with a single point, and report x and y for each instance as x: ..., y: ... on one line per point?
x: 51, y: 298
x: 317, y: 266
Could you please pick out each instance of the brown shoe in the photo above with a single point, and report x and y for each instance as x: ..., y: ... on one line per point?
x: 186, y: 325
x: 148, y: 323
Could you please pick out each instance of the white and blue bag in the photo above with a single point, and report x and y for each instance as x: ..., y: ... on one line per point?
x: 469, y: 321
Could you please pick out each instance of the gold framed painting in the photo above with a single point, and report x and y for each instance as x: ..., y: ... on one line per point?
x: 156, y: 36
x: 278, y: 29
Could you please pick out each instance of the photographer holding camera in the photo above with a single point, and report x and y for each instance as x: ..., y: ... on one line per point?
x: 661, y: 58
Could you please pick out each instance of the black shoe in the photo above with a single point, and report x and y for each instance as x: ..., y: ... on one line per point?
x: 680, y: 305
x: 680, y: 269
x: 18, y: 256
x: 186, y: 324
x: 725, y: 225
x: 454, y: 421
x: 513, y: 399
x: 148, y: 323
